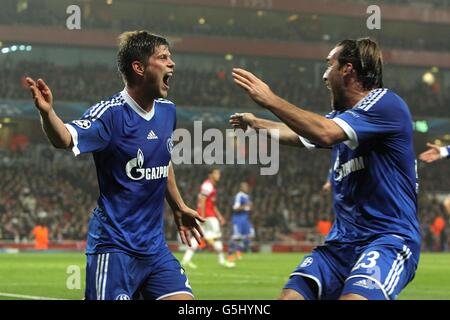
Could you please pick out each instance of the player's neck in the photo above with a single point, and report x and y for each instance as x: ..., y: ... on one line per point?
x: 355, y: 95
x: 144, y: 101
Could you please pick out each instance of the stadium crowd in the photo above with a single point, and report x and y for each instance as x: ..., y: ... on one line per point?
x: 42, y: 186
x: 190, y: 87
x: 311, y: 28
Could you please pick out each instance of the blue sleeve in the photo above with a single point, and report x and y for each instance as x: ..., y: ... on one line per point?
x: 445, y: 151
x: 382, y: 118
x: 237, y: 202
x: 92, y: 132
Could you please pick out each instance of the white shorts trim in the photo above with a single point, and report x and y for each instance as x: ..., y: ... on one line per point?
x: 316, y: 280
x: 174, y: 293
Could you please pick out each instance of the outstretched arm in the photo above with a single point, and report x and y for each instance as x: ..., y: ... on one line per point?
x: 309, y: 125
x: 185, y: 217
x: 434, y: 153
x: 285, y: 135
x: 52, y: 125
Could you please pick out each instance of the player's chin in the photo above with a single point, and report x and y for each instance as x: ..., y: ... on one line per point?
x: 164, y: 91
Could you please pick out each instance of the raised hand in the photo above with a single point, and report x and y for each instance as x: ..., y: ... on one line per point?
x: 258, y: 90
x: 42, y: 95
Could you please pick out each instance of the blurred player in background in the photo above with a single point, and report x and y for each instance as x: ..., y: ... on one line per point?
x: 243, y: 230
x: 373, y: 249
x: 208, y: 210
x: 435, y: 153
x: 130, y: 136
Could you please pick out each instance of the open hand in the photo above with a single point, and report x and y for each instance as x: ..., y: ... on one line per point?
x: 258, y: 90
x: 242, y: 120
x: 186, y: 222
x: 42, y: 95
x: 432, y: 154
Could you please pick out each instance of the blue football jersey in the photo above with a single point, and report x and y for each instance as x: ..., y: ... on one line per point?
x: 132, y: 153
x: 374, y: 173
x: 241, y: 199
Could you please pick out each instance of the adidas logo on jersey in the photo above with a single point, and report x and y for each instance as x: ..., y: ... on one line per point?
x: 362, y: 283
x: 366, y: 283
x: 152, y: 135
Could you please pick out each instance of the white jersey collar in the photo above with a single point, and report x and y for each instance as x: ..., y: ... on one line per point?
x: 133, y: 104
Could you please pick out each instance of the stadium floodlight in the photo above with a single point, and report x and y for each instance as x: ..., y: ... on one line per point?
x: 5, y: 50
x: 421, y: 126
x: 428, y: 78
x: 22, y: 47
x: 14, y: 48
x: 28, y: 48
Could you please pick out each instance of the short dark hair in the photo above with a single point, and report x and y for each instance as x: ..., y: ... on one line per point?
x: 212, y: 169
x: 136, y: 46
x: 366, y: 57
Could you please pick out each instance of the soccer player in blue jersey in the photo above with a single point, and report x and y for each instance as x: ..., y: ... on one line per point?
x: 243, y: 230
x: 130, y: 137
x: 372, y: 251
x: 434, y: 153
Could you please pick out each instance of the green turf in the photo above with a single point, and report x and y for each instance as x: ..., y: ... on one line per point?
x: 257, y: 276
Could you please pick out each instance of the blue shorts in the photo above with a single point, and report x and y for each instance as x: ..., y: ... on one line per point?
x: 119, y: 276
x: 376, y: 270
x: 242, y: 227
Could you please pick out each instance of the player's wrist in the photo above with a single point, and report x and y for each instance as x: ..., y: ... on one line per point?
x: 46, y: 113
x: 443, y: 151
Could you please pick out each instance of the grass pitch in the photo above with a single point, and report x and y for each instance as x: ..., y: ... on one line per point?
x: 256, y: 276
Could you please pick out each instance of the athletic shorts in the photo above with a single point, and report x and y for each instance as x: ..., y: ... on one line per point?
x: 119, y: 276
x: 376, y: 270
x: 211, y: 228
x: 242, y: 227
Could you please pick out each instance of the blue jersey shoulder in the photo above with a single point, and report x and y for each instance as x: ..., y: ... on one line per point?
x: 99, y: 109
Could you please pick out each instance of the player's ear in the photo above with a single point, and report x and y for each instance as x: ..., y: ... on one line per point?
x: 138, y: 67
x: 348, y: 69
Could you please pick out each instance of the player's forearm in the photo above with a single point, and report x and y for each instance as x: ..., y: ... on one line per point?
x: 55, y: 130
x: 286, y: 135
x: 309, y: 125
x: 203, y: 209
x: 242, y: 208
x: 218, y: 213
x: 173, y: 195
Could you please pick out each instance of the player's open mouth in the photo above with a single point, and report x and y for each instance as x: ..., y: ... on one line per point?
x: 166, y: 79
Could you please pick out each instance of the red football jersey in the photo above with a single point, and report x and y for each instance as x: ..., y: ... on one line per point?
x: 208, y: 190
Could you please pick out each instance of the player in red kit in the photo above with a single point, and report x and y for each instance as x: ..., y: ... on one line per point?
x: 214, y: 220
